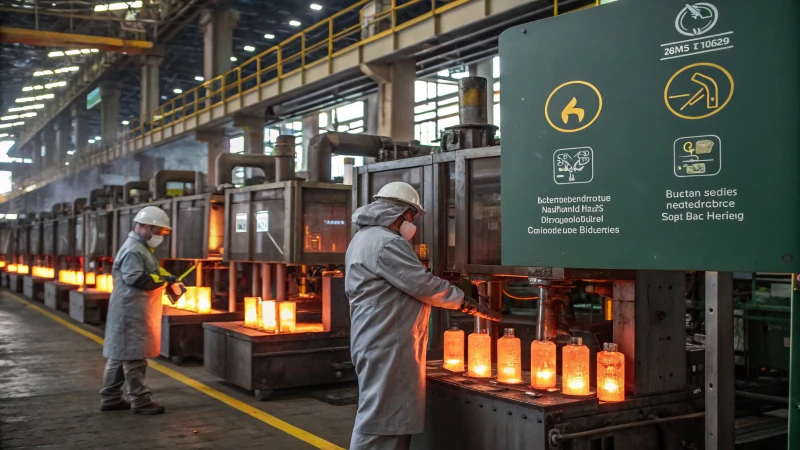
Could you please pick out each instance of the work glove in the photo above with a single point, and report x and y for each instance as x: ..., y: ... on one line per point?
x: 481, y: 310
x: 170, y: 279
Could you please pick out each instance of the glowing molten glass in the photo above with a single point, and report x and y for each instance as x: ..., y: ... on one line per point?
x: 89, y: 277
x: 454, y: 350
x: 2, y: 264
x: 23, y: 269
x: 610, y: 374
x: 269, y: 316
x: 165, y: 299
x: 479, y: 351
x: 543, y: 365
x: 191, y: 298
x: 12, y: 268
x: 105, y: 283
x: 203, y: 300
x: 509, y: 358
x: 575, y: 368
x: 288, y: 313
x: 251, y: 311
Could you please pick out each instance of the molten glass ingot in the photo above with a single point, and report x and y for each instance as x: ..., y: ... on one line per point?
x: 23, y: 269
x: 203, y: 300
x: 12, y: 268
x: 89, y: 277
x: 191, y: 298
x: 78, y: 278
x: 454, y: 350
x: 165, y: 298
x: 479, y: 351
x: 543, y: 364
x: 288, y: 313
x: 575, y: 368
x: 269, y: 316
x: 610, y: 374
x: 251, y: 311
x: 101, y: 282
x: 509, y: 358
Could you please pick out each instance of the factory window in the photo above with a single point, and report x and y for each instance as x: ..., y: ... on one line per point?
x: 436, y: 103
x: 5, y: 176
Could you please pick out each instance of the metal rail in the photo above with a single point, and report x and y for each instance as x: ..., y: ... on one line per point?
x: 557, y: 438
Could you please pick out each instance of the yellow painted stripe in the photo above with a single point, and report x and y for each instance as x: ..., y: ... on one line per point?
x: 269, y: 419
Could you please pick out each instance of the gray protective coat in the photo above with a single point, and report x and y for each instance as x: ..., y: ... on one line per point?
x: 133, y: 326
x: 390, y: 294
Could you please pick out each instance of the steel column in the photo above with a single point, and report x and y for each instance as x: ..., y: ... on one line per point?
x: 232, y: 286
x: 794, y: 368
x: 719, y: 367
x: 280, y: 282
x: 266, y: 281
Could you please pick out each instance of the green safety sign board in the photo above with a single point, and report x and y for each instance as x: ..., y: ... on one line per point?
x: 648, y: 134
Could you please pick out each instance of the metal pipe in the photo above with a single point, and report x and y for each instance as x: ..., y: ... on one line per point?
x: 495, y: 294
x: 472, y: 109
x: 226, y: 162
x: 255, y: 282
x: 284, y: 157
x: 280, y: 282
x: 481, y: 324
x: 542, y: 312
x: 198, y: 273
x: 266, y: 281
x: 303, y: 280
x: 158, y: 184
x: 133, y: 186
x: 323, y: 146
x: 557, y: 438
x: 763, y: 397
x: 232, y: 286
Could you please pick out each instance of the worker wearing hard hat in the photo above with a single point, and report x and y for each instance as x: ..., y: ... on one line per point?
x: 391, y: 294
x: 133, y: 327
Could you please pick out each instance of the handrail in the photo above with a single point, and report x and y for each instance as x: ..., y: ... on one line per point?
x: 315, y: 44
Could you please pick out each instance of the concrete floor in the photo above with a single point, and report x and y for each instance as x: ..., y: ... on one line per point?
x: 49, y: 381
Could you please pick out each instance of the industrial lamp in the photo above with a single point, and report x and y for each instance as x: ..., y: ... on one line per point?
x: 543, y: 364
x: 509, y: 358
x: 479, y: 354
x: 610, y: 374
x: 575, y: 368
x: 454, y: 350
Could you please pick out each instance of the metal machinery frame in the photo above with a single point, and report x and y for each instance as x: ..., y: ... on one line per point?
x: 60, y: 239
x: 93, y: 243
x: 460, y: 236
x: 273, y: 228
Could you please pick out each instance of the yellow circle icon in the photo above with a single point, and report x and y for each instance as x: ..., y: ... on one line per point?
x: 571, y: 105
x: 698, y: 91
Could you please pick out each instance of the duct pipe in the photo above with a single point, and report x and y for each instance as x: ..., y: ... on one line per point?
x: 133, y: 186
x: 284, y: 157
x: 472, y: 109
x: 226, y: 162
x: 158, y: 184
x: 325, y: 145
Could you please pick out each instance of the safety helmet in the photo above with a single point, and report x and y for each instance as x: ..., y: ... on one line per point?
x: 397, y: 190
x: 152, y: 215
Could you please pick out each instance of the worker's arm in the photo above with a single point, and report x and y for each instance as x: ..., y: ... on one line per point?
x: 133, y: 273
x: 398, y: 265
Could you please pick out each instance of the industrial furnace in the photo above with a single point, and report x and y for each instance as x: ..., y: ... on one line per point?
x: 66, y: 261
x: 292, y: 235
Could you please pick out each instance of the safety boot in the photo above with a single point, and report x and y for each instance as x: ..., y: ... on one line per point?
x: 150, y: 409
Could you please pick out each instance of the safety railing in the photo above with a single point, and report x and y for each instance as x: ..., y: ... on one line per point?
x: 318, y: 44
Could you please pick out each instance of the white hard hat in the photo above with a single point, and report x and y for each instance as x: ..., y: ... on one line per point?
x: 397, y: 190
x: 152, y: 215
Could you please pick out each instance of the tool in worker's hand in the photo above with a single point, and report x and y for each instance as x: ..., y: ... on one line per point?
x: 175, y: 291
x: 190, y: 270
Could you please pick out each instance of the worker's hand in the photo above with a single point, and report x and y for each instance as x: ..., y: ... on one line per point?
x: 170, y: 279
x: 481, y: 310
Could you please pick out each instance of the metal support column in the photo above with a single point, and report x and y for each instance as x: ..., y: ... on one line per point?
x: 794, y: 367
x: 232, y: 286
x: 719, y: 368
x: 280, y: 282
x: 266, y: 281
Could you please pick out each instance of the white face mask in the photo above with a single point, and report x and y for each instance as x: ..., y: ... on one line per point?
x: 155, y: 241
x: 408, y: 230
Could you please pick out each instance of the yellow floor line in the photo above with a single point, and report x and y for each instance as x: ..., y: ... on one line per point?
x: 269, y: 419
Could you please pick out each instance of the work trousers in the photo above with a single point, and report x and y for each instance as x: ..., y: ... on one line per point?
x: 117, y: 372
x: 375, y: 442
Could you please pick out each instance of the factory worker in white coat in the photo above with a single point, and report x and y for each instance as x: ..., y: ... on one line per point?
x: 391, y: 294
x: 133, y: 326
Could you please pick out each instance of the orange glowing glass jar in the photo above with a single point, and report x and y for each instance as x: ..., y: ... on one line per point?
x: 454, y: 350
x: 543, y: 365
x: 575, y: 368
x: 89, y: 277
x: 288, y: 313
x: 269, y: 316
x: 251, y: 312
x: 509, y: 358
x: 203, y: 300
x: 479, y: 354
x: 610, y: 374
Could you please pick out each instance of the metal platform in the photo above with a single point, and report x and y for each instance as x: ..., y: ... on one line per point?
x: 262, y: 362
x: 15, y: 283
x: 182, y: 331
x: 89, y: 306
x: 33, y: 288
x: 469, y: 413
x: 56, y: 295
